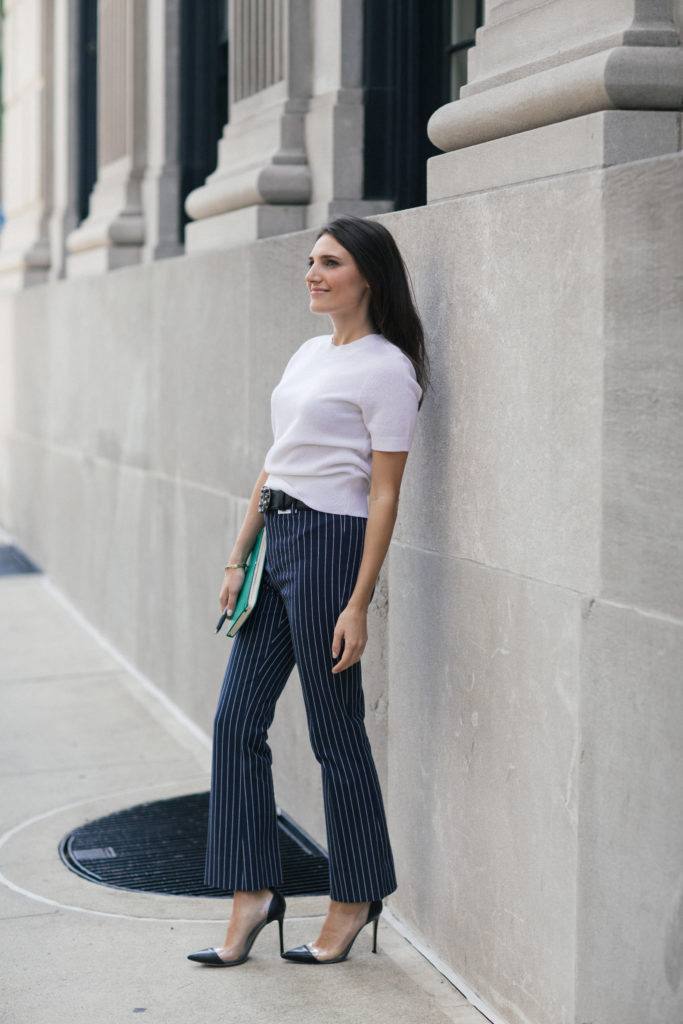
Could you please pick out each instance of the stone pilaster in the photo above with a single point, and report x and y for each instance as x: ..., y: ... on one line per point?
x: 27, y: 142
x: 64, y: 112
x: 335, y: 121
x: 577, y: 83
x: 161, y: 184
x: 262, y: 182
x: 113, y: 233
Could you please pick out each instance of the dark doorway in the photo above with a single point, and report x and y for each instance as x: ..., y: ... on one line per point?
x: 87, y: 103
x: 414, y: 55
x: 203, y: 92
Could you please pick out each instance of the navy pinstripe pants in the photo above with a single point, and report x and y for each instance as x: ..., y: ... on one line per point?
x: 312, y: 562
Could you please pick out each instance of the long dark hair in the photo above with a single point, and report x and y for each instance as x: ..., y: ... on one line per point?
x: 392, y: 309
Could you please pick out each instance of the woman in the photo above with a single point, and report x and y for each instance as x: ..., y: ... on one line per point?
x: 343, y: 419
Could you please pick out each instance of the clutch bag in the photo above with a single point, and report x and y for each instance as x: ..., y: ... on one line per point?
x: 250, y: 588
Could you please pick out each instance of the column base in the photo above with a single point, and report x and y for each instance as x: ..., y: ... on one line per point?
x: 320, y: 213
x: 13, y: 279
x: 17, y: 272
x: 99, y: 260
x: 24, y: 252
x: 240, y: 227
x: 113, y: 233
x: 596, y: 140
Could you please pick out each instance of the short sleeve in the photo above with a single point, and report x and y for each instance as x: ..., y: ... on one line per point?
x: 389, y: 401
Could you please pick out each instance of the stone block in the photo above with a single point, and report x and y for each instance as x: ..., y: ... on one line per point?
x: 505, y: 469
x: 202, y: 348
x: 642, y: 547
x: 242, y: 226
x: 630, y: 889
x: 596, y: 140
x: 483, y: 760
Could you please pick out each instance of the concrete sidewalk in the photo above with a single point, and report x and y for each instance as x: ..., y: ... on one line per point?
x: 82, y: 736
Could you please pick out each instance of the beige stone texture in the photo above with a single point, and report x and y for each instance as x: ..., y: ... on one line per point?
x: 513, y: 421
x: 630, y: 909
x: 483, y: 756
x: 642, y: 546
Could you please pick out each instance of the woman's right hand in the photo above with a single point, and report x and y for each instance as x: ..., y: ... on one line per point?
x: 232, y: 584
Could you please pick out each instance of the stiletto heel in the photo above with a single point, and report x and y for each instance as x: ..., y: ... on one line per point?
x: 303, y: 955
x: 280, y: 922
x: 276, y: 912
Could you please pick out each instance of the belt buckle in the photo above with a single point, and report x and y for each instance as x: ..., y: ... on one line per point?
x: 264, y: 500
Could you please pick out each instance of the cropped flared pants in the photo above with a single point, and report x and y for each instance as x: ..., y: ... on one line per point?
x: 312, y: 563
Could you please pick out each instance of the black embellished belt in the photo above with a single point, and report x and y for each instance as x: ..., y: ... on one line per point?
x: 279, y: 501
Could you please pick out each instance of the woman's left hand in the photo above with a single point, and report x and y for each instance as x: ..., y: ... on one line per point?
x: 351, y: 631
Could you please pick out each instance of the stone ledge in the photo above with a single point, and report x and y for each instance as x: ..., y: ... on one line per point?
x: 597, y: 140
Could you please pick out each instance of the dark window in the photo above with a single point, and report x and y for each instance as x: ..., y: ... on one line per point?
x: 412, y: 56
x: 87, y: 103
x: 203, y: 91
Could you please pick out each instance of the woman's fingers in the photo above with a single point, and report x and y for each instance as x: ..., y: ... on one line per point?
x: 349, y: 639
x: 230, y: 591
x: 349, y: 658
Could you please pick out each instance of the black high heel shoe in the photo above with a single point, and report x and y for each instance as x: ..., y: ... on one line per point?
x: 303, y: 955
x: 276, y: 912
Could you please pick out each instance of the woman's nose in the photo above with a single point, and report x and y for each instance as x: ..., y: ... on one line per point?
x: 312, y: 273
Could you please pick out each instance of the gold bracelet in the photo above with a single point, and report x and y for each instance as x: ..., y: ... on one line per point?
x: 234, y: 565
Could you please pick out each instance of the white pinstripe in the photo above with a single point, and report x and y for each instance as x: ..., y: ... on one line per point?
x: 311, y: 566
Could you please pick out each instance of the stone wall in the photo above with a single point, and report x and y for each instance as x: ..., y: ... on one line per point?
x: 523, y: 679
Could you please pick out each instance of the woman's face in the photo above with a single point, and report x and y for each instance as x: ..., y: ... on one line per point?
x: 334, y: 281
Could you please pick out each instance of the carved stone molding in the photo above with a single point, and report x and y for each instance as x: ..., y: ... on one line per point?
x: 535, y: 65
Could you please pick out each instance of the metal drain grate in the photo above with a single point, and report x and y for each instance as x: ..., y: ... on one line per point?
x: 13, y: 562
x: 159, y: 847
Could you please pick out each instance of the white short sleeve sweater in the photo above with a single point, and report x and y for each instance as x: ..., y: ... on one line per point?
x: 332, y: 407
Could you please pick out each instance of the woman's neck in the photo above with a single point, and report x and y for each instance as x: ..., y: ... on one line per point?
x: 346, y: 330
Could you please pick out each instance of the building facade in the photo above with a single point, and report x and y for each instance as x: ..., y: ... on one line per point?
x: 166, y: 165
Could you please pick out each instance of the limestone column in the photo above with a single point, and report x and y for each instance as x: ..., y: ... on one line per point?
x: 64, y: 112
x: 113, y: 233
x: 558, y: 87
x: 161, y: 184
x: 335, y: 121
x: 262, y: 182
x: 27, y: 142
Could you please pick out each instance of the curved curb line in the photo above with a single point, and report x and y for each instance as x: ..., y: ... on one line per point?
x: 68, y: 906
